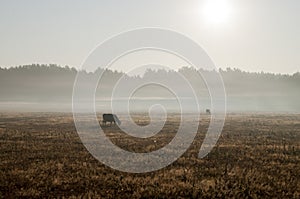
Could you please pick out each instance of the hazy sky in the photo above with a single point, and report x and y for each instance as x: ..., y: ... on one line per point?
x: 256, y: 35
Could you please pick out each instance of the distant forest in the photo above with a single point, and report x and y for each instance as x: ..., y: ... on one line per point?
x: 246, y: 91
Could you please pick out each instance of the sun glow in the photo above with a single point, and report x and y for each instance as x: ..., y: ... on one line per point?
x: 217, y: 11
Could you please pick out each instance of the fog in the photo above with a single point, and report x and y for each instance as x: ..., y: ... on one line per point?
x: 49, y: 88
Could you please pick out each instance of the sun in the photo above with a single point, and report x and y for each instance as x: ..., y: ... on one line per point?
x: 217, y: 11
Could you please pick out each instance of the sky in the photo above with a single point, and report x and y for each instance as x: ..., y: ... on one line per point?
x: 255, y: 35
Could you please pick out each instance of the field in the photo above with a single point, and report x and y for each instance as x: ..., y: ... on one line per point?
x: 257, y: 156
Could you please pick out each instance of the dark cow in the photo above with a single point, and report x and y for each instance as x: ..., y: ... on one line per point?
x: 112, y: 118
x: 208, y: 111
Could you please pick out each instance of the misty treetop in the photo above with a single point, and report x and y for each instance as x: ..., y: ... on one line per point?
x: 39, y: 82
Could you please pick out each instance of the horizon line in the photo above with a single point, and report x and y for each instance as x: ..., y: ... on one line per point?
x: 78, y: 69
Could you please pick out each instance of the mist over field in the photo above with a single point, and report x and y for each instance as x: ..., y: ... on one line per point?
x: 49, y: 88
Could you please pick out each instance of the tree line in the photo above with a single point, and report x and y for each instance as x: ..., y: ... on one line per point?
x: 51, y: 82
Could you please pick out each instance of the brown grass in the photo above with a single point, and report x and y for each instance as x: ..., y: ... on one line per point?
x: 256, y: 156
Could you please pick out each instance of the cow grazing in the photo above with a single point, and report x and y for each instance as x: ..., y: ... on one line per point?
x: 208, y: 111
x: 112, y: 118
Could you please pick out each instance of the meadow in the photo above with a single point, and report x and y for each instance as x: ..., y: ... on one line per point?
x: 257, y: 156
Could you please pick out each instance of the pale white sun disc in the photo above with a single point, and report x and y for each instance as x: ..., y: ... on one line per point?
x: 217, y: 11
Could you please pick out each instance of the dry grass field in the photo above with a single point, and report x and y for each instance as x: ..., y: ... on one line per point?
x: 257, y: 156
